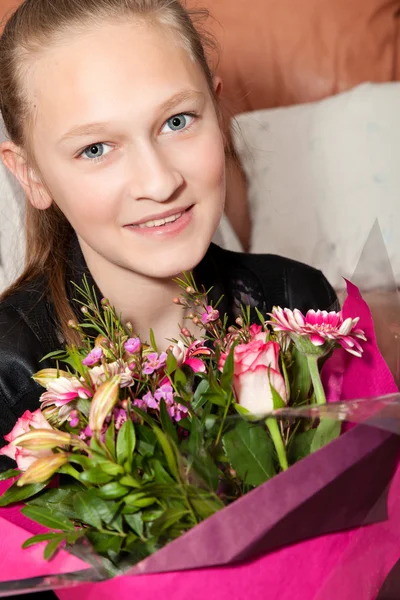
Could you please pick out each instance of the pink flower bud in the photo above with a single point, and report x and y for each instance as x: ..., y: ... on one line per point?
x: 103, y: 402
x: 42, y: 469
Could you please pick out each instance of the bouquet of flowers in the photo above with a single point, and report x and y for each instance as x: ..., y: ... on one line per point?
x: 134, y: 446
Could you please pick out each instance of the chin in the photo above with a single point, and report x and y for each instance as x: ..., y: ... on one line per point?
x: 169, y: 264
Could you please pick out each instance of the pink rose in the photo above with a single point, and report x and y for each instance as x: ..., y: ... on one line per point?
x: 256, y: 368
x: 23, y: 456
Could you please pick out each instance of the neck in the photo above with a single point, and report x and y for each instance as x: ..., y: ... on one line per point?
x: 145, y: 302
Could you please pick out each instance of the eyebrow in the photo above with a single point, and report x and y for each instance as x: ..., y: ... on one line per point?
x: 100, y: 126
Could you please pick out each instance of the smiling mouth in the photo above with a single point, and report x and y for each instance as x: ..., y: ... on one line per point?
x: 160, y: 222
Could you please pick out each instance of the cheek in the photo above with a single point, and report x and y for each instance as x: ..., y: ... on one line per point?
x: 205, y: 163
x: 80, y: 195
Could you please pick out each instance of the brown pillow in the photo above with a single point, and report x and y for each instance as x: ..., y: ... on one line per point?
x: 282, y: 52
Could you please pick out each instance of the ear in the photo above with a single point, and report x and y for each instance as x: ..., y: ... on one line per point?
x: 218, y: 85
x: 14, y: 158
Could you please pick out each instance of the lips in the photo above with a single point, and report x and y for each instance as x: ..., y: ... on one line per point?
x: 160, y: 220
x: 165, y: 226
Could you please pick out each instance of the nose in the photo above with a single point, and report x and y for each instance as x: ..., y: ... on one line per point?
x: 153, y: 177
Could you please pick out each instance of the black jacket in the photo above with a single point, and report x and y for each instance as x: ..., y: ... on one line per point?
x: 29, y: 330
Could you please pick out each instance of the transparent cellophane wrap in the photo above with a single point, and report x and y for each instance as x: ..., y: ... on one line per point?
x: 327, y: 527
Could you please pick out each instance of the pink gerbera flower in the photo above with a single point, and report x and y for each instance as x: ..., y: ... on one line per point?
x: 319, y: 327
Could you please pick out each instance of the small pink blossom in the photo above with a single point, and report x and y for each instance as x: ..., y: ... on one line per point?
x: 150, y: 401
x: 23, y: 456
x: 211, y: 314
x: 319, y: 327
x: 165, y: 392
x: 120, y: 417
x: 74, y: 418
x: 132, y: 345
x: 140, y: 404
x: 93, y: 357
x: 154, y: 362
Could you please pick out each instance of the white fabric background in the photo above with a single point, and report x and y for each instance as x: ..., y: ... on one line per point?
x: 319, y: 176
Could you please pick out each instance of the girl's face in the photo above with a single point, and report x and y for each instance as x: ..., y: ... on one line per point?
x: 128, y: 144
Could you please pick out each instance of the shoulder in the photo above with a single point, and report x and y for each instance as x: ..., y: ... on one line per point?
x: 282, y: 281
x: 26, y: 334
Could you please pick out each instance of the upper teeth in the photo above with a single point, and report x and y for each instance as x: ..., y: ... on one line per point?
x: 159, y: 222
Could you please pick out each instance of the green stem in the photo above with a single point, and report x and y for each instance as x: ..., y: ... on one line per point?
x: 312, y: 361
x: 229, y: 402
x: 278, y: 443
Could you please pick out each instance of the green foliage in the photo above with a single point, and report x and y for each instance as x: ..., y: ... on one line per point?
x: 250, y: 452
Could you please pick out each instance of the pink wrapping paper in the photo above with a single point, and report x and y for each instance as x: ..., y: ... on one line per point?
x: 350, y: 566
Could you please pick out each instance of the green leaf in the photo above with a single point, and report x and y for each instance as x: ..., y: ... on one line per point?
x: 168, y: 452
x: 146, y: 441
x: 227, y: 373
x: 50, y: 519
x: 43, y: 537
x: 111, y: 468
x: 153, y: 341
x: 246, y: 414
x: 126, y: 442
x: 83, y: 406
x: 110, y: 439
x: 16, y: 494
x: 95, y: 476
x: 97, y: 448
x: 9, y: 474
x: 86, y: 507
x: 171, y: 363
x: 250, y: 452
x: 160, y: 474
x: 260, y: 316
x: 180, y: 378
x: 53, y: 496
x: 327, y: 431
x: 139, y: 500
x: 81, y: 460
x: 113, y: 491
x: 276, y: 398
x: 103, y: 542
x: 203, y: 504
x: 168, y: 518
x: 168, y: 427
x: 135, y: 523
x: 300, y: 446
x: 301, y: 381
x: 199, y: 398
x: 151, y: 515
x: 130, y: 481
x: 219, y: 398
x: 109, y: 512
x: 52, y: 547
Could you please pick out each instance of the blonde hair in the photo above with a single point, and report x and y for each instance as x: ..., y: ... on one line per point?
x: 33, y: 28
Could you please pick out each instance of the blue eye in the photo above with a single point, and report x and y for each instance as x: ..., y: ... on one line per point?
x: 178, y: 122
x: 95, y: 151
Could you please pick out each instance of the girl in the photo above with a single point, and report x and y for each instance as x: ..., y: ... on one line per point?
x: 116, y: 136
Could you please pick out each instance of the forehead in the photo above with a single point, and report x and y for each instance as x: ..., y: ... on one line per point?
x: 109, y: 71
